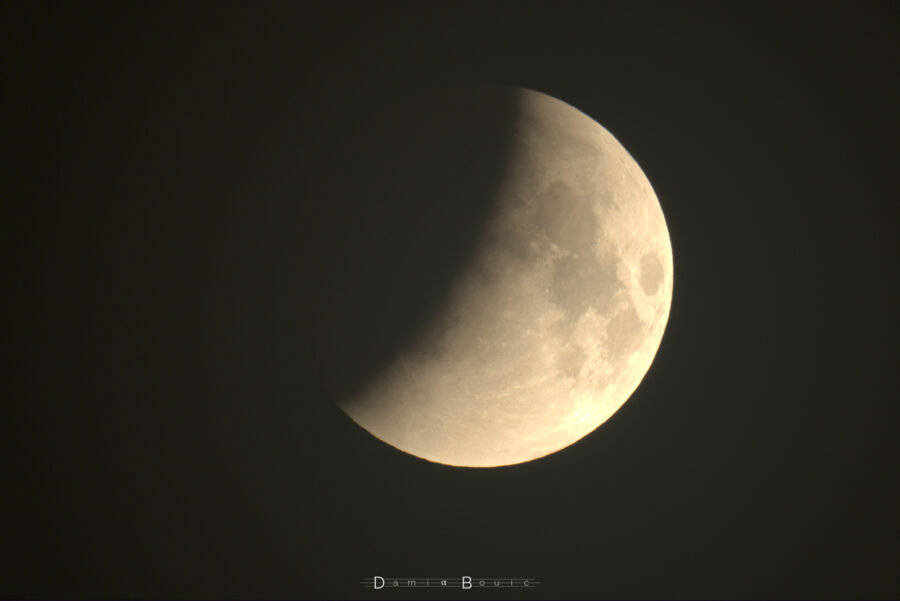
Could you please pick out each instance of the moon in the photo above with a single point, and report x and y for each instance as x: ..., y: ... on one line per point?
x: 553, y: 314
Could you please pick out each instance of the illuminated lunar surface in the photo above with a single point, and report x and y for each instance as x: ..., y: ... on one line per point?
x: 555, y: 319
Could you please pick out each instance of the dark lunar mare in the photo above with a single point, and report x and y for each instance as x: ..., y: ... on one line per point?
x: 400, y: 207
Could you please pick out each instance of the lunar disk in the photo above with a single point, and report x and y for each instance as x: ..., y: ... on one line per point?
x: 556, y: 309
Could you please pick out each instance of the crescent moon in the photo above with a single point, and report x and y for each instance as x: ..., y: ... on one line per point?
x: 554, y: 318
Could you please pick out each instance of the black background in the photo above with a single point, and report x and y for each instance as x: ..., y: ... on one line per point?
x: 164, y: 439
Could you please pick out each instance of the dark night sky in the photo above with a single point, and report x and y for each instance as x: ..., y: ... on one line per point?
x: 165, y: 440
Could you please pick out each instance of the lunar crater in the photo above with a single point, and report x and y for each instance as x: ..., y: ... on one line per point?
x: 651, y: 273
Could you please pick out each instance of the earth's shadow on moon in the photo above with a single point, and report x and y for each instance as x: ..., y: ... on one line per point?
x: 399, y: 209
